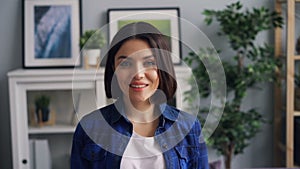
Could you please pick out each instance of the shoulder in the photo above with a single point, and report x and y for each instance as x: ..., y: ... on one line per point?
x: 183, y: 119
x: 174, y: 113
x: 104, y: 112
x: 96, y: 122
x: 97, y: 118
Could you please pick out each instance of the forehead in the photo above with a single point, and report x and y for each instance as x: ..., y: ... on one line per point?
x: 134, y: 47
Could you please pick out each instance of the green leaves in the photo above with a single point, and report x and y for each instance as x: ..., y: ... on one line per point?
x: 251, y: 64
x: 92, y: 39
x: 236, y: 128
x: 200, y: 62
x: 42, y: 101
x: 242, y: 27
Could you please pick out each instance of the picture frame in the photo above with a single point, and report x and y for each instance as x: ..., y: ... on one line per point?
x: 51, y: 33
x: 164, y: 19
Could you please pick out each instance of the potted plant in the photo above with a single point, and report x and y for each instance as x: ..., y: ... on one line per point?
x: 42, y: 108
x: 250, y: 64
x: 91, y: 42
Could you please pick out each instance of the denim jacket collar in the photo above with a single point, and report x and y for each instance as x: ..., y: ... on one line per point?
x: 119, y: 107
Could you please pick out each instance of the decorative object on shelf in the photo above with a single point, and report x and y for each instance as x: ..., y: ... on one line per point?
x: 40, y: 155
x: 164, y: 19
x: 91, y: 43
x: 42, y: 115
x: 42, y: 108
x: 297, y: 92
x: 237, y: 126
x: 50, y: 32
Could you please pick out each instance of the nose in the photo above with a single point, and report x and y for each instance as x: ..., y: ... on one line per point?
x: 139, y: 71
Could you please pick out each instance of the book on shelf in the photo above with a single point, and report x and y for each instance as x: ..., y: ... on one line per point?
x: 40, y: 156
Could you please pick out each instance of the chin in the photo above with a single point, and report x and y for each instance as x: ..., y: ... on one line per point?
x: 139, y: 99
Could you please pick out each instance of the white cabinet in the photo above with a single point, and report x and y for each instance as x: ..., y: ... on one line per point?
x: 62, y: 85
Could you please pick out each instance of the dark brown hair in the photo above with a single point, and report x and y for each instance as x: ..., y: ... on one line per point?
x: 158, y: 44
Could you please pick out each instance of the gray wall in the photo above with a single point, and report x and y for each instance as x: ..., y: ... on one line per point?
x: 258, y: 154
x: 10, y: 58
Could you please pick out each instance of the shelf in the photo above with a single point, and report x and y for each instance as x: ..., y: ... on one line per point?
x: 55, y: 72
x: 285, y: 41
x: 55, y: 129
x: 297, y: 113
x: 284, y: 1
x: 283, y: 57
x: 297, y: 57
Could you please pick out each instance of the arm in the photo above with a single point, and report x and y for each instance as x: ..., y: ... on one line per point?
x: 77, y: 146
x: 203, y: 158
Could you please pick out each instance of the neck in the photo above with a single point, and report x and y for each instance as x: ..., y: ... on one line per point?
x: 142, y: 112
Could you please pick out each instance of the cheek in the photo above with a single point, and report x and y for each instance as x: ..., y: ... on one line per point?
x: 121, y: 76
x: 153, y: 76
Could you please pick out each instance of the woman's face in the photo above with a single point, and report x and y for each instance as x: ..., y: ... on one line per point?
x: 136, y: 70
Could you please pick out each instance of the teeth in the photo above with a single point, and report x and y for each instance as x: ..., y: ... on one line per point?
x: 138, y: 86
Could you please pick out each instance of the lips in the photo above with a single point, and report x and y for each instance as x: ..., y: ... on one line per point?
x: 138, y: 85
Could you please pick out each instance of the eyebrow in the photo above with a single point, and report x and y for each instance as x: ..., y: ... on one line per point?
x: 126, y: 57
x: 121, y: 57
x: 147, y: 57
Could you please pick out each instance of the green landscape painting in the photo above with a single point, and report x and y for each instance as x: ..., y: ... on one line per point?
x: 163, y: 25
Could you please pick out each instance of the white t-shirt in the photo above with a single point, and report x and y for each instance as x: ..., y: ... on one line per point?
x: 142, y: 153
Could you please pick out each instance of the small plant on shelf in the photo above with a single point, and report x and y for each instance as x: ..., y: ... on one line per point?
x: 92, y: 39
x: 91, y: 42
x: 42, y: 108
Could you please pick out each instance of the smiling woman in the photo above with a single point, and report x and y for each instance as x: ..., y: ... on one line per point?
x: 136, y: 72
x: 139, y: 130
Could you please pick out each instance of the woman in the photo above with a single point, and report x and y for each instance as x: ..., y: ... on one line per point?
x: 139, y: 130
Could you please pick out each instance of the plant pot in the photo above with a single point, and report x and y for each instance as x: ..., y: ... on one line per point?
x: 42, y: 114
x: 92, y: 56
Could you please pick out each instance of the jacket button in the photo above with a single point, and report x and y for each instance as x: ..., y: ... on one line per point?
x: 165, y: 146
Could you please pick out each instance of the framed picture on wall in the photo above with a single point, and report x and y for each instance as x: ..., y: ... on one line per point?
x: 51, y: 32
x: 164, y: 19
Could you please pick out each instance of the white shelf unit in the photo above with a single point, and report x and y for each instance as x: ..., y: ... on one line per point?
x: 23, y: 82
x: 51, y: 129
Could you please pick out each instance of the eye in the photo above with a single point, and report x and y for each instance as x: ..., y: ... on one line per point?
x: 150, y: 63
x: 125, y: 64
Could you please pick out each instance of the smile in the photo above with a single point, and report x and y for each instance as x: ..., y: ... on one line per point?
x: 138, y: 86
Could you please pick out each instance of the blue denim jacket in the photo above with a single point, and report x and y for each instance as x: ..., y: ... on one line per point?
x: 101, y: 137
